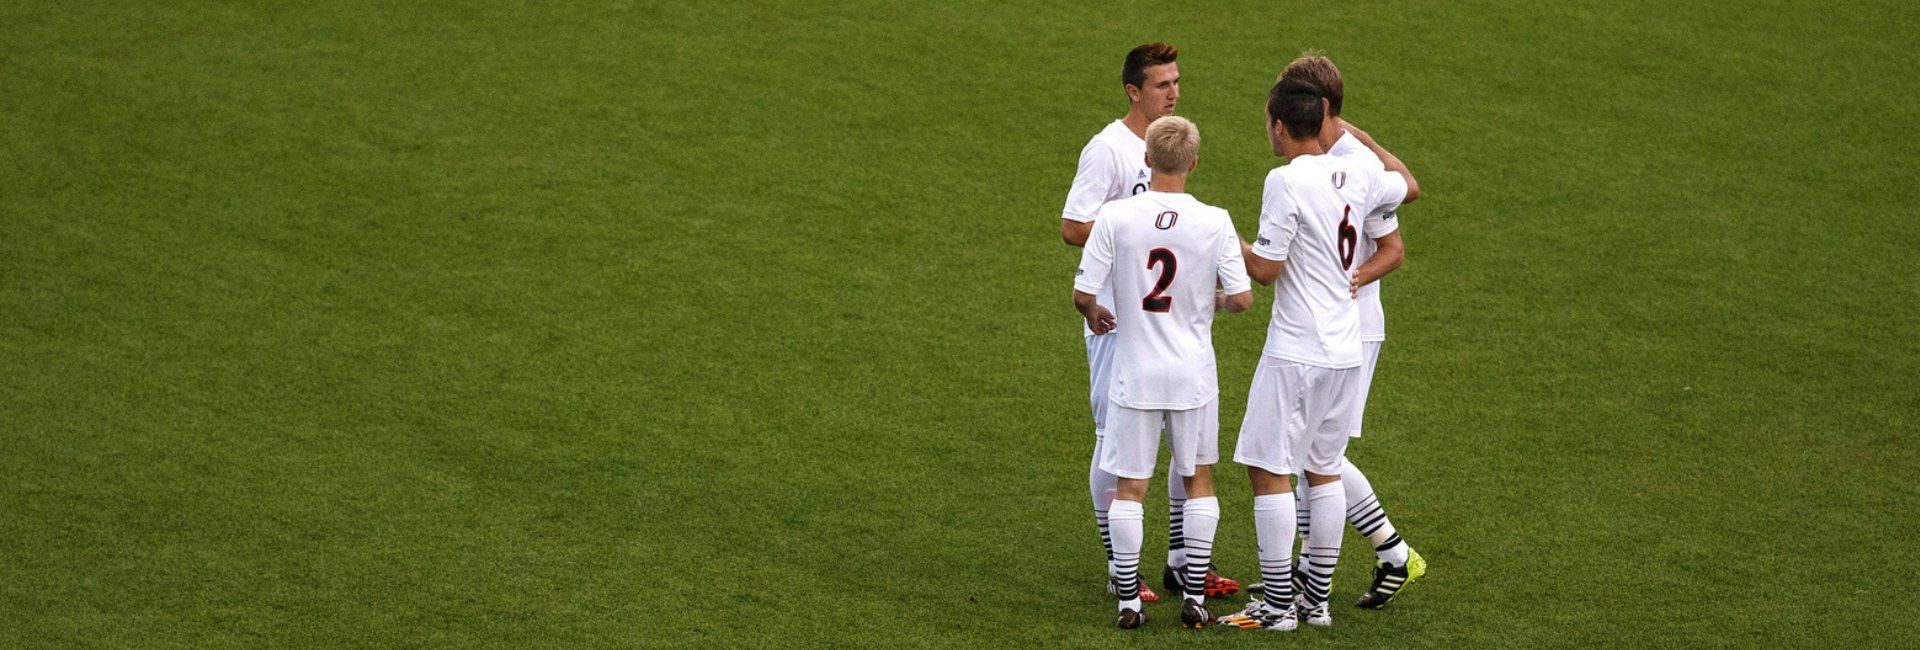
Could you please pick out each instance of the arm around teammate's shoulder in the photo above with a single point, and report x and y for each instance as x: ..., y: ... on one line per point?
x: 1413, y: 186
x: 1387, y: 159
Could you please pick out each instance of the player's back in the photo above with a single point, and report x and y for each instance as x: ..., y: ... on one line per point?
x: 1315, y: 318
x: 1168, y: 252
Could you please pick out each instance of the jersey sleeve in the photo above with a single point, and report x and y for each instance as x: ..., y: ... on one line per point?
x: 1380, y: 223
x: 1091, y: 183
x: 1279, y: 221
x: 1386, y: 191
x: 1096, y: 259
x: 1233, y: 268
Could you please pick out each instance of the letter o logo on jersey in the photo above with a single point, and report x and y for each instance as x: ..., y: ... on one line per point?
x: 1339, y: 180
x: 1166, y: 220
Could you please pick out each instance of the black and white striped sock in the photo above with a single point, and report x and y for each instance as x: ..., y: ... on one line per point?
x: 1368, y: 517
x: 1176, y: 525
x: 1106, y: 532
x: 1177, y: 555
x: 1202, y: 519
x: 1127, y: 519
x: 1326, y: 503
x: 1301, y: 521
x: 1273, y: 528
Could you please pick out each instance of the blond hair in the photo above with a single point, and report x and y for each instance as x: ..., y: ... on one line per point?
x: 1314, y: 67
x: 1173, y: 142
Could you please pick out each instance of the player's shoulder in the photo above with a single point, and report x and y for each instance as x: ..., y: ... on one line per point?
x: 1293, y: 175
x: 1349, y: 147
x: 1110, y: 137
x: 1125, y: 206
x: 1277, y: 177
x: 1210, y: 212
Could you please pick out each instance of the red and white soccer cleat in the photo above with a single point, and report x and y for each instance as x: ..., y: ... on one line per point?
x: 1146, y: 593
x: 1217, y: 586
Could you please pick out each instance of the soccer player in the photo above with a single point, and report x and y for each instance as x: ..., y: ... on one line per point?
x: 1300, y: 407
x: 1156, y: 256
x: 1399, y: 565
x: 1112, y: 167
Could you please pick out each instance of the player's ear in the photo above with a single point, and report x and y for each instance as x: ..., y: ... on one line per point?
x: 1133, y: 94
x: 1195, y: 165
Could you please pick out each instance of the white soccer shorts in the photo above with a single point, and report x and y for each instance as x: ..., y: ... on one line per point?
x: 1371, y: 350
x: 1298, y: 417
x: 1132, y: 442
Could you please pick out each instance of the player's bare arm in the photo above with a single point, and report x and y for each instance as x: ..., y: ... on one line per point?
x: 1390, y: 253
x: 1099, y: 319
x: 1233, y: 304
x: 1260, y: 269
x: 1387, y: 158
x: 1238, y: 302
x: 1075, y: 232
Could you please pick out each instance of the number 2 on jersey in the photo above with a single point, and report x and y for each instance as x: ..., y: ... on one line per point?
x: 1157, y: 301
x: 1349, y: 238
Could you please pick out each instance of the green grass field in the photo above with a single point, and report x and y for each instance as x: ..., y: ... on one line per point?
x: 449, y: 324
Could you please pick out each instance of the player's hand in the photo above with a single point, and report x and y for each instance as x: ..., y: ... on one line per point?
x: 1353, y: 285
x: 1100, y: 321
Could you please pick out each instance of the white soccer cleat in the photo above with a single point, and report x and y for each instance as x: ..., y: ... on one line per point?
x: 1258, y: 616
x: 1317, y: 615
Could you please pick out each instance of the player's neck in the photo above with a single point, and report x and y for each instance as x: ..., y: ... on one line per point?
x: 1296, y: 148
x: 1328, y: 137
x: 1168, y: 183
x: 1136, y: 122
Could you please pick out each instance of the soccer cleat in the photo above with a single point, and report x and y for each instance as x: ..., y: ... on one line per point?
x: 1259, y: 616
x: 1130, y: 619
x: 1218, y: 586
x: 1388, y: 581
x: 1317, y: 615
x: 1194, y: 616
x: 1146, y: 593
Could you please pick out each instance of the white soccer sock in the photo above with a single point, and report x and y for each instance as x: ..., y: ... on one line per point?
x: 1176, y: 523
x: 1325, y: 503
x: 1368, y: 517
x: 1102, y: 485
x: 1128, y: 521
x: 1203, y: 517
x: 1273, y: 529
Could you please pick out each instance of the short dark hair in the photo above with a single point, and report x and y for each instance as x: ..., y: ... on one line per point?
x: 1134, y: 72
x: 1315, y: 67
x: 1296, y: 104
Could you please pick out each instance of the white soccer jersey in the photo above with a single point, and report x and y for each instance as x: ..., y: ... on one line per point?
x: 1311, y: 216
x: 1373, y: 318
x: 1160, y: 255
x: 1113, y: 166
